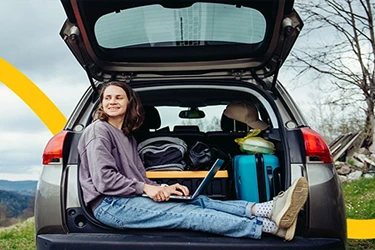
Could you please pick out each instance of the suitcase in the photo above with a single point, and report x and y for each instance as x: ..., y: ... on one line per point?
x: 256, y: 177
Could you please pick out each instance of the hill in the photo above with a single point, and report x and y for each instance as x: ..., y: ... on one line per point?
x: 16, y: 201
x: 13, y: 204
x: 23, y: 187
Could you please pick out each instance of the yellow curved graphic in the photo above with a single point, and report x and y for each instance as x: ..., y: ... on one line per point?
x: 55, y: 120
x: 32, y: 96
x: 361, y: 229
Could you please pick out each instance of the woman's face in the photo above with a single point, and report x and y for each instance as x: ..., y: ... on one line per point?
x: 115, y: 102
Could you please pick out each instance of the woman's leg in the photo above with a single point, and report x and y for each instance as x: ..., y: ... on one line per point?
x: 283, y: 209
x: 231, y: 218
x: 142, y: 212
x: 236, y: 207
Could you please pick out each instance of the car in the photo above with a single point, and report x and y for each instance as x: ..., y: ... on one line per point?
x: 187, y: 60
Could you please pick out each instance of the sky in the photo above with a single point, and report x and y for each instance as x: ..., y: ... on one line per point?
x: 30, y: 41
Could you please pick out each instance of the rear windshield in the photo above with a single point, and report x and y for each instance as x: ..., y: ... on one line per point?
x: 169, y: 117
x: 201, y: 24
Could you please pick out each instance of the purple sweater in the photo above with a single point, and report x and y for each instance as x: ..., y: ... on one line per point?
x: 110, y: 164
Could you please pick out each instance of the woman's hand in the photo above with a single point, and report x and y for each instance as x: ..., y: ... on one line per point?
x: 158, y: 193
x: 178, y: 189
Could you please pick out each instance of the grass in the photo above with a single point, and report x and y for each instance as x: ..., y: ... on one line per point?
x: 359, y: 199
x: 18, y: 236
x: 360, y: 204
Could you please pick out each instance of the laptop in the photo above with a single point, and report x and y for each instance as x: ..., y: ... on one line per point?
x: 209, y: 177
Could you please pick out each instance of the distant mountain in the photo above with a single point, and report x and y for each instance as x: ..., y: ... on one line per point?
x: 14, y: 204
x: 23, y: 187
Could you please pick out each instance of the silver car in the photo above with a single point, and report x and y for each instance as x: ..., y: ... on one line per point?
x: 187, y: 60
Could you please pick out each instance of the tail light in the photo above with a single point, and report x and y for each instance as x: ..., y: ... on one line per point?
x: 316, y: 147
x: 54, y: 149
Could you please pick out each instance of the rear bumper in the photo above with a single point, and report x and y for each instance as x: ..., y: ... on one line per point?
x: 125, y: 241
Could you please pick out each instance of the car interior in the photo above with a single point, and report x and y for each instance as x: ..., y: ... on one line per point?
x: 158, y: 107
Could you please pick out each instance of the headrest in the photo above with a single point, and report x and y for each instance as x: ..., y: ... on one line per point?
x: 246, y: 112
x: 152, y: 118
x: 187, y: 128
x: 230, y: 125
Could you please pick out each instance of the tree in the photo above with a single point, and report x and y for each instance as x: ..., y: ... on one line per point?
x: 339, y: 48
x: 204, y: 124
x: 331, y: 120
x: 3, y: 215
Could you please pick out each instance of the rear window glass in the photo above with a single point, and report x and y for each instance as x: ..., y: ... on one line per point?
x: 169, y: 117
x: 201, y: 24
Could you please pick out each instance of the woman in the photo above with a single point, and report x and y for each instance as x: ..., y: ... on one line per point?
x: 113, y: 180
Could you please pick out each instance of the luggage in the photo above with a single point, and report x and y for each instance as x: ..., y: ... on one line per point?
x: 202, y: 156
x: 163, y: 153
x: 257, y: 177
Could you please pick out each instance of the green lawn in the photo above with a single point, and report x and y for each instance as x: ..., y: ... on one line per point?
x: 19, y: 236
x: 359, y: 198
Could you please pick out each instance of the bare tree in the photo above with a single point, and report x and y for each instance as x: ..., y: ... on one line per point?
x: 331, y: 120
x: 339, y: 47
x: 204, y: 125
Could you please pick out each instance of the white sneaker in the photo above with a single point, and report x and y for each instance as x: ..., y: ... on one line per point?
x: 288, y: 233
x: 287, y: 204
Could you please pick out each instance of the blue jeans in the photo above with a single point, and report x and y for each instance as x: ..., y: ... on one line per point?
x: 230, y: 218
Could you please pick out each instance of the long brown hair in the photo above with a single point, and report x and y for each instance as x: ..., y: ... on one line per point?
x: 134, y: 112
